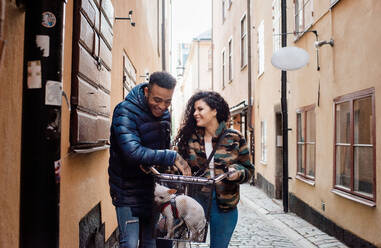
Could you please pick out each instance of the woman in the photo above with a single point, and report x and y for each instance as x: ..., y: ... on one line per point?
x: 204, y: 128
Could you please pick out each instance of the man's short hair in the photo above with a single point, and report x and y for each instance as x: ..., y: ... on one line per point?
x: 162, y: 79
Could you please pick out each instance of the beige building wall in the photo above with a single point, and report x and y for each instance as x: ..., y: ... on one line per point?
x: 352, y: 64
x: 197, y: 76
x: 11, y: 76
x: 267, y: 91
x: 224, y: 29
x: 84, y: 177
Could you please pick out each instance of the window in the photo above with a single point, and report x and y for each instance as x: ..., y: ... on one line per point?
x: 223, y: 11
x: 333, y: 2
x: 230, y: 60
x: 223, y: 68
x: 210, y: 59
x: 263, y: 142
x: 303, y: 15
x: 91, y: 74
x: 355, y: 163
x: 229, y: 4
x: 261, y: 49
x: 306, y: 142
x: 129, y: 75
x: 243, y: 42
x: 277, y: 30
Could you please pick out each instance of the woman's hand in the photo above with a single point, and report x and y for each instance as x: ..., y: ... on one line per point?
x: 234, y: 174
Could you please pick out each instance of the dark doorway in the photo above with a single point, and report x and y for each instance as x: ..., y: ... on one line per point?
x: 278, y: 156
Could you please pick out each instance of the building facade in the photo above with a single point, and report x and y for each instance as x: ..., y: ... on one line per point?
x: 194, y: 73
x: 55, y: 160
x: 332, y: 114
x: 231, y: 64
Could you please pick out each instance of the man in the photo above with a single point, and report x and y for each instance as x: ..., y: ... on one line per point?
x: 140, y: 137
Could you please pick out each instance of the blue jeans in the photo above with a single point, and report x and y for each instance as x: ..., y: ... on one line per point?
x: 222, y: 225
x: 132, y: 229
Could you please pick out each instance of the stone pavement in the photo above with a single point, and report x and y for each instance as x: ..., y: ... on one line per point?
x: 263, y: 224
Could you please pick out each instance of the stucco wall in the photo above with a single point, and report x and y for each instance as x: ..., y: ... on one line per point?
x: 84, y: 178
x: 351, y: 65
x: 236, y: 90
x: 11, y: 70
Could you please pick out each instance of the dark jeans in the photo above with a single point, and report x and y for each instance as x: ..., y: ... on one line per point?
x: 222, y: 225
x: 133, y: 228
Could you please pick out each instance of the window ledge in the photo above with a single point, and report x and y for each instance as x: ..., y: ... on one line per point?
x: 263, y: 162
x: 305, y: 180
x: 260, y: 74
x: 354, y: 198
x: 333, y: 3
x: 243, y: 67
x: 92, y: 149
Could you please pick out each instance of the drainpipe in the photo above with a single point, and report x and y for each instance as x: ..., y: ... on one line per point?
x: 212, y: 47
x: 2, y: 20
x: 198, y: 63
x: 250, y: 84
x: 284, y: 111
x: 41, y: 124
x: 163, y: 58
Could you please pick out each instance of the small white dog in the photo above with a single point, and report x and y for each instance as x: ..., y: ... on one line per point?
x: 187, y: 209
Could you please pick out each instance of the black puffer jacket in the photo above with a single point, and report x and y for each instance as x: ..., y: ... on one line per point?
x: 137, y: 137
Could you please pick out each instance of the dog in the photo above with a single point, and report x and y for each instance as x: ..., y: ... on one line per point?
x: 187, y: 209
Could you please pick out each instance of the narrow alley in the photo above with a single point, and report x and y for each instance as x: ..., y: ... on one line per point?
x: 263, y: 224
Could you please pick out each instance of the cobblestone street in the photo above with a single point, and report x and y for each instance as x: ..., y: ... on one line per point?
x: 262, y: 224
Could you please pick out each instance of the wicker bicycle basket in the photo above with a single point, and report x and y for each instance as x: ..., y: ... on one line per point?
x: 182, y: 207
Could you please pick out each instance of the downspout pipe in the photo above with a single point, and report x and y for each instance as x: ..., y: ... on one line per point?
x: 212, y: 47
x: 250, y: 82
x: 284, y: 111
x: 41, y: 124
x: 163, y: 40
x: 249, y: 79
x: 2, y: 21
x: 198, y: 63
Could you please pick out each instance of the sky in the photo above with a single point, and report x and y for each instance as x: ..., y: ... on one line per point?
x: 189, y: 19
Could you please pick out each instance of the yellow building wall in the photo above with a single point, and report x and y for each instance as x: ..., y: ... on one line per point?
x: 11, y: 76
x: 84, y: 177
x: 234, y: 91
x: 351, y: 65
x: 266, y: 87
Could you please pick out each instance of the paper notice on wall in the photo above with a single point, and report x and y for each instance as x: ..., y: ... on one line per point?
x: 34, y: 74
x: 43, y: 42
x: 53, y: 93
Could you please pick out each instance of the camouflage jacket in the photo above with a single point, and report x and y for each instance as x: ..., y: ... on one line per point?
x: 232, y: 152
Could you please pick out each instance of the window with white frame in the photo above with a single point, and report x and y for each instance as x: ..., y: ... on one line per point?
x: 333, y: 2
x: 355, y: 140
x: 304, y: 12
x: 230, y: 60
x: 223, y: 68
x: 277, y: 29
x: 243, y: 41
x: 261, y: 48
x: 263, y: 141
x: 228, y: 4
x: 223, y: 4
x: 306, y: 142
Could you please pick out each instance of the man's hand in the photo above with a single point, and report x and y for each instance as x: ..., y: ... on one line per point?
x: 182, y: 165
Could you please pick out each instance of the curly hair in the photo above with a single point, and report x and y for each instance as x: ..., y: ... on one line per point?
x: 162, y: 79
x: 188, y: 126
